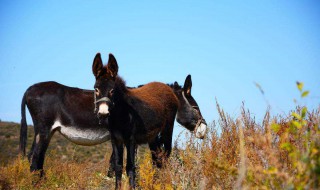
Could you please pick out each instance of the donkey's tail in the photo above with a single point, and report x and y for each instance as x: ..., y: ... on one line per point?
x: 23, y: 128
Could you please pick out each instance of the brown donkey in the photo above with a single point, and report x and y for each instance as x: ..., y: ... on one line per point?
x: 137, y: 116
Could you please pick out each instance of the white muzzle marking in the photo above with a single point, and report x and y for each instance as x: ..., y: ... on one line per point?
x: 103, y: 108
x: 201, y: 130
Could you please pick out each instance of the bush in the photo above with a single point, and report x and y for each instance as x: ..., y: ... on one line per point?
x: 279, y: 153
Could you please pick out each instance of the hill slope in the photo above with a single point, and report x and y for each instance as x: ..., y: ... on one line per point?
x: 59, y: 148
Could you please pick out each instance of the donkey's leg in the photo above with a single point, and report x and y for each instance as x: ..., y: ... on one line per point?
x: 131, y: 167
x: 118, y: 157
x: 166, y: 138
x: 40, y: 148
x: 155, y: 147
x: 32, y: 148
x: 111, y: 169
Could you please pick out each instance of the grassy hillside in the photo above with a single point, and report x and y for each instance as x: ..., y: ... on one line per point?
x: 281, y: 152
x: 67, y: 165
x: 59, y: 147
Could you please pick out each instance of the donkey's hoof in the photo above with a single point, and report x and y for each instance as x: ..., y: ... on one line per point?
x: 110, y: 174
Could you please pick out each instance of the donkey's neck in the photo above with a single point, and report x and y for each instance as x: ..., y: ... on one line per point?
x: 124, y: 98
x: 124, y: 104
x: 120, y: 90
x: 122, y: 93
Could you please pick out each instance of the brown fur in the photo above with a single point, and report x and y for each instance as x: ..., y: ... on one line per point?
x: 158, y: 96
x: 154, y: 103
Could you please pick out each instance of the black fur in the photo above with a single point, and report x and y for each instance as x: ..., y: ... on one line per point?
x: 23, y: 128
x: 47, y: 102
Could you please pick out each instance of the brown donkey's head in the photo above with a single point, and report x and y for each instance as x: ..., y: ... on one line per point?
x: 189, y: 114
x: 105, y: 81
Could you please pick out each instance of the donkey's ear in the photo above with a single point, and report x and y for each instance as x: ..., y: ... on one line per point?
x: 97, y: 65
x: 112, y: 67
x: 187, y: 85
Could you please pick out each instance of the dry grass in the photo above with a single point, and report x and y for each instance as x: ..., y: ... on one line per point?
x: 275, y: 154
x: 59, y: 175
x: 67, y: 166
x: 278, y: 153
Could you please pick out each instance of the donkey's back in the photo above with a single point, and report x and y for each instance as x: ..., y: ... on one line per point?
x: 157, y: 95
x: 50, y: 101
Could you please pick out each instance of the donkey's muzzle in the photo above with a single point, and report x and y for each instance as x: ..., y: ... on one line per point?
x: 201, y: 129
x: 104, y: 107
x: 103, y: 110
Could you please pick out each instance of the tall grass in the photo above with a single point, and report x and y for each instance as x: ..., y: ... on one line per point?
x: 278, y: 153
x: 59, y: 175
x: 246, y: 155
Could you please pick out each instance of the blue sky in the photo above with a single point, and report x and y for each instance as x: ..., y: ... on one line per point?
x: 225, y: 45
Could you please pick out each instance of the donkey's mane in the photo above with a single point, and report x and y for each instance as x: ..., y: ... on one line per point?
x: 120, y: 88
x: 175, y: 86
x: 122, y: 93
